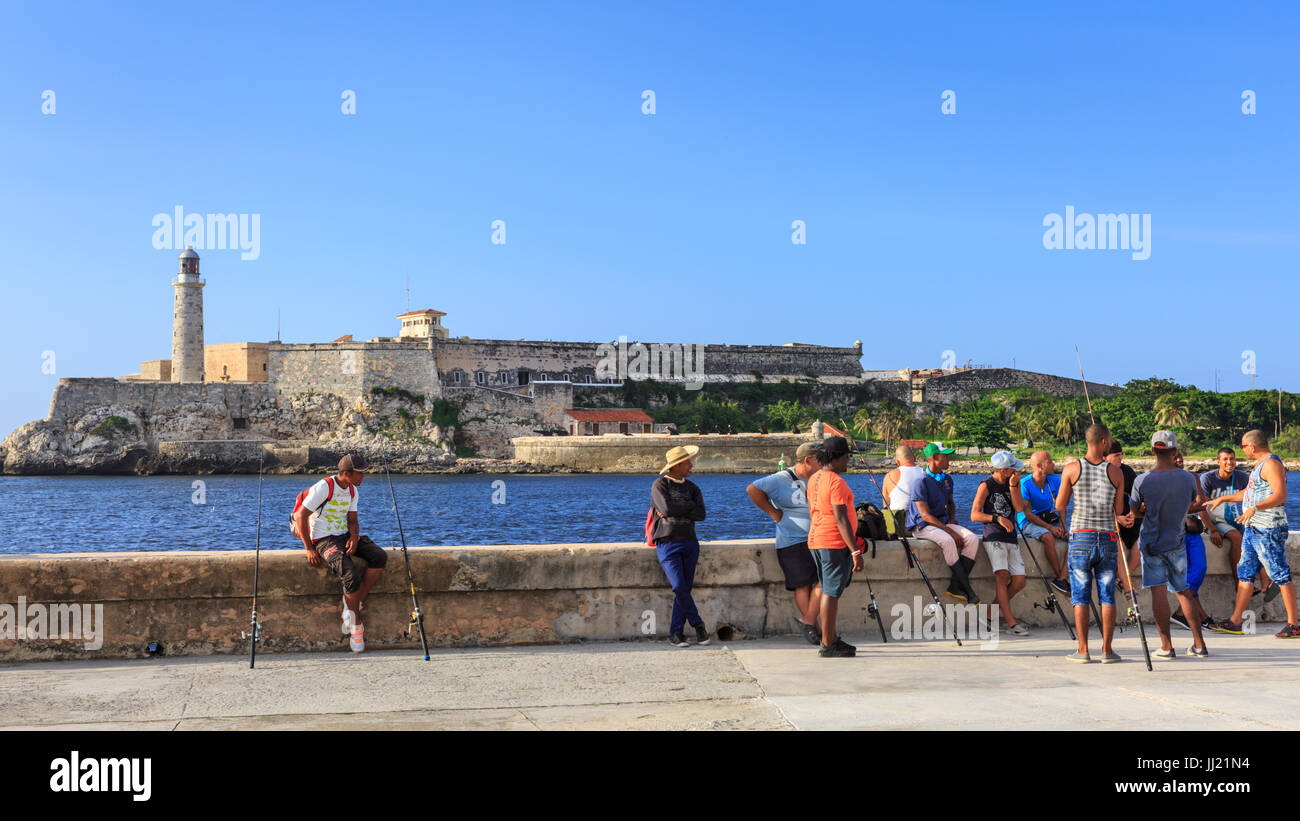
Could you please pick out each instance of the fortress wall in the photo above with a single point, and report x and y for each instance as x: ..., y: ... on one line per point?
x: 75, y: 398
x: 578, y: 359
x: 198, y: 602
x: 349, y: 369
x: 782, y: 360
x: 966, y: 385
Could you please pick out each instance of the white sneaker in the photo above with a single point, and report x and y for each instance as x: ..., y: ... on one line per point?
x: 347, y: 618
x: 358, y: 640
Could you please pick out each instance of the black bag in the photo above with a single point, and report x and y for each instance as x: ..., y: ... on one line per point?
x: 1049, y: 516
x: 871, y: 523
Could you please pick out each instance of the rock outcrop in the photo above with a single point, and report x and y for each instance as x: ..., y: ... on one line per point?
x: 114, y: 427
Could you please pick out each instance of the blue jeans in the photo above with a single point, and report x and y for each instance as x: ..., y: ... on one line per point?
x: 1092, y: 554
x: 678, y: 559
x: 1267, y: 547
x: 1169, y: 569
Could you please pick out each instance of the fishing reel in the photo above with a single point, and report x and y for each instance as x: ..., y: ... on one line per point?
x: 413, y: 626
x: 257, y: 632
x: 872, y: 610
x: 1050, y: 604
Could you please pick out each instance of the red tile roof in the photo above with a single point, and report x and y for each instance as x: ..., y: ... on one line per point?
x: 421, y: 313
x: 608, y: 415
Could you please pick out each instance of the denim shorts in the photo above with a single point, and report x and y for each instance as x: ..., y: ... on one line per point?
x: 834, y: 570
x: 1033, y: 531
x: 1267, y: 547
x: 1168, y: 569
x: 1092, y: 554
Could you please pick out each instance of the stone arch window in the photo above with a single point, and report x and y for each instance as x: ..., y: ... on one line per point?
x: 542, y: 377
x: 480, y: 377
x: 455, y: 377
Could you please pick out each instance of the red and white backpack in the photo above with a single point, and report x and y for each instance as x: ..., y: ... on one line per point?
x: 297, y: 504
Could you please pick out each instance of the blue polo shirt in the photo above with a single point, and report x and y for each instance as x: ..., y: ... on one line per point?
x: 935, y: 494
x: 1040, y: 500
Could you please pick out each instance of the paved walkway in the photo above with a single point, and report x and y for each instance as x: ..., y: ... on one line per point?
x: 1248, y: 683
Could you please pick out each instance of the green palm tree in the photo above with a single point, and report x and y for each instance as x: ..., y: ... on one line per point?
x: 948, y: 422
x: 1171, y: 412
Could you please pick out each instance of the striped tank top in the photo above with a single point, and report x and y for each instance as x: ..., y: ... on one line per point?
x: 1257, y: 490
x: 1094, y: 498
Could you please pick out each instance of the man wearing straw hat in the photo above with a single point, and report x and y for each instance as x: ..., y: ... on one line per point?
x: 678, y: 505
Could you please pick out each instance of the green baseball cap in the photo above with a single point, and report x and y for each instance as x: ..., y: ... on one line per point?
x: 936, y: 447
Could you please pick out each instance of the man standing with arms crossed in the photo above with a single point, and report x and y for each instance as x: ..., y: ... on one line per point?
x: 1264, y: 515
x: 784, y: 496
x: 1098, y: 490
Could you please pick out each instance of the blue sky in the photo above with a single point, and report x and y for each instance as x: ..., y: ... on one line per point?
x: 924, y: 230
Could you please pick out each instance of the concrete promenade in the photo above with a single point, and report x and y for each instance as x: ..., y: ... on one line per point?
x: 775, y: 683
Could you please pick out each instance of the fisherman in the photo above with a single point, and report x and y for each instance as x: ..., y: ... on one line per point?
x: 678, y: 505
x: 784, y: 496
x: 997, y: 501
x: 1166, y: 494
x: 1038, y: 519
x: 1097, y: 487
x: 327, y: 524
x: 832, y: 538
x: 1264, y: 515
x: 932, y: 514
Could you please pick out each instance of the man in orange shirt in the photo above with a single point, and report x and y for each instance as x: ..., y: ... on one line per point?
x: 836, y: 549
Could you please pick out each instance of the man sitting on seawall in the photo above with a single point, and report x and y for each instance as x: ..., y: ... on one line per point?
x: 327, y: 524
x: 997, y: 501
x: 931, y: 514
x: 1038, y: 520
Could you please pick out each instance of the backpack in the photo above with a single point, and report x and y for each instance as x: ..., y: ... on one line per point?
x: 871, y: 523
x: 650, y: 527
x: 297, y: 504
x: 896, y: 524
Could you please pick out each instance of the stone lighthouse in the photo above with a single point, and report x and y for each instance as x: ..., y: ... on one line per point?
x: 187, y: 321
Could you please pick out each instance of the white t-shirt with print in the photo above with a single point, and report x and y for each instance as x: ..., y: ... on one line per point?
x: 332, y: 519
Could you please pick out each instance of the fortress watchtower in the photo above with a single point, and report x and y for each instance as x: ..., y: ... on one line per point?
x: 187, y: 320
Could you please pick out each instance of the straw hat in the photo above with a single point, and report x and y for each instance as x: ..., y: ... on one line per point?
x: 678, y: 455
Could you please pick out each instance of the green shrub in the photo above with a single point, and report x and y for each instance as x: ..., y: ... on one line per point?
x: 113, y: 426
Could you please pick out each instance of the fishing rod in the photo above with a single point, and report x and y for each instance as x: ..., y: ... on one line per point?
x: 1051, y: 602
x: 256, y: 628
x: 416, y: 618
x: 1135, y: 609
x: 874, y: 610
x: 1082, y: 379
x: 913, y: 561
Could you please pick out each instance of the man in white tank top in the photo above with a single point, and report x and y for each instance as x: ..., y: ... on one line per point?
x: 897, y: 490
x: 1098, y: 490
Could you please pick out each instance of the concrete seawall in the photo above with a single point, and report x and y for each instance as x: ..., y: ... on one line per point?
x: 194, y: 603
x: 644, y: 453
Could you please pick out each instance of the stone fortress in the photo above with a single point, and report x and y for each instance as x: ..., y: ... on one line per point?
x: 220, y: 406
